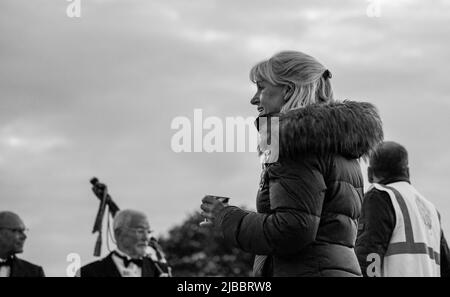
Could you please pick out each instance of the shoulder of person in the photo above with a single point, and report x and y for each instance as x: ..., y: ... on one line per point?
x: 26, y: 263
x: 374, y: 193
x: 377, y: 203
x: 95, y: 265
x: 28, y: 266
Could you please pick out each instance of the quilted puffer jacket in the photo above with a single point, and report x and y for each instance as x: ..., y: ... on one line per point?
x: 309, y: 201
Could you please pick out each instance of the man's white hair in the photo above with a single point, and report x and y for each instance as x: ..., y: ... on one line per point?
x: 124, y: 217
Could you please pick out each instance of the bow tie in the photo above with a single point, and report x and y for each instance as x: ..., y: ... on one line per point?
x: 126, y: 261
x: 7, y: 263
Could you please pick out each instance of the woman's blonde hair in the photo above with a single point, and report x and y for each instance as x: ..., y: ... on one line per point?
x: 308, y: 81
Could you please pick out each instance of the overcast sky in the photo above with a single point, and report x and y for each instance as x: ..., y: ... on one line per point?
x: 96, y: 95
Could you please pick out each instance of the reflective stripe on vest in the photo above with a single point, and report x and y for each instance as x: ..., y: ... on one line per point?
x: 409, y: 247
x: 413, y: 249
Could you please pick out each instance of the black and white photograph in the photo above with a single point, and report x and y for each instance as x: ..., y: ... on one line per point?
x: 222, y: 139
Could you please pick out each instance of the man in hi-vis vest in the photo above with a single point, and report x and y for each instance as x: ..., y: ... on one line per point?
x: 399, y: 231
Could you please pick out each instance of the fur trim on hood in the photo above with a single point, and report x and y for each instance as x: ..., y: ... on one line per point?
x: 351, y: 129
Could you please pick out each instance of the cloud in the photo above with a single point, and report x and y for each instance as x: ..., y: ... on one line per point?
x: 34, y: 144
x: 23, y: 139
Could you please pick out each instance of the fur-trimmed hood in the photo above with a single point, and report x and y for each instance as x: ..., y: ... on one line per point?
x: 348, y: 128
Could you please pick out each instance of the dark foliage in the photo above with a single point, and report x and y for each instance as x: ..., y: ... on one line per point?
x: 194, y: 250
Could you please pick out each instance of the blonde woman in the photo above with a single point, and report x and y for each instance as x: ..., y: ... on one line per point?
x: 309, y: 201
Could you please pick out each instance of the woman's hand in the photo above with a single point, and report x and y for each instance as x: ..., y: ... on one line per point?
x: 211, y: 207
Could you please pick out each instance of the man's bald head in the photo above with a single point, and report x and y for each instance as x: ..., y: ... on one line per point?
x: 390, y: 159
x: 9, y: 219
x: 12, y: 234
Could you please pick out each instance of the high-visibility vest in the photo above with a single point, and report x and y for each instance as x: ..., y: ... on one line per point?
x: 415, y: 242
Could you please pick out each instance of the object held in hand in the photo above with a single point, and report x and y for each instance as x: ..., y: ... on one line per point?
x: 224, y: 200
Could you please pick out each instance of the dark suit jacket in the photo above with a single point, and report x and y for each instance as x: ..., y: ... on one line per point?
x: 22, y: 268
x: 107, y: 268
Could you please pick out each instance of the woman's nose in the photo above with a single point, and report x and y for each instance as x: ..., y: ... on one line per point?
x: 255, y: 100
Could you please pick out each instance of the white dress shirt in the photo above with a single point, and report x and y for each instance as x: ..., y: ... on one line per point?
x: 5, y: 271
x: 131, y: 271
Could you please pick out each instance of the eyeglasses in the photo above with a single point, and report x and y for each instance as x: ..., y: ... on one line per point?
x: 17, y: 230
x: 141, y: 231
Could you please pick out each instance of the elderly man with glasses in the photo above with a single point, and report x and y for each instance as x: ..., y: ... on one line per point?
x: 130, y: 258
x: 12, y: 239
